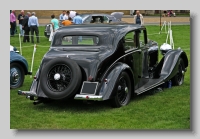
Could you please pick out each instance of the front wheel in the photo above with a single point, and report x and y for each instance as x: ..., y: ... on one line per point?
x: 178, y: 79
x: 16, y: 75
x: 123, y: 91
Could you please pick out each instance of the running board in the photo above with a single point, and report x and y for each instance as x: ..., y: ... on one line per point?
x: 152, y: 83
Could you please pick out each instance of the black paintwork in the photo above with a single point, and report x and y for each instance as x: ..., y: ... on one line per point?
x: 108, y: 59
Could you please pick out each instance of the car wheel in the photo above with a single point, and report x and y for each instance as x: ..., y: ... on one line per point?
x: 60, y: 78
x: 178, y: 79
x: 16, y: 75
x: 123, y: 91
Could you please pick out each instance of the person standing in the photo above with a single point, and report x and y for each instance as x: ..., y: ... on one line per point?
x: 78, y: 20
x: 13, y: 22
x: 62, y: 15
x: 66, y: 16
x: 138, y: 18
x: 71, y: 14
x: 54, y: 26
x: 67, y: 22
x: 33, y: 24
x: 26, y: 28
x: 21, y: 18
x: 54, y: 22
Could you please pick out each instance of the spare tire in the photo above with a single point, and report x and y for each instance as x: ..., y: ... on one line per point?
x: 60, y: 78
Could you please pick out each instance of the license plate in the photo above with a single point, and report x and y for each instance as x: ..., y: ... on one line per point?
x: 89, y: 87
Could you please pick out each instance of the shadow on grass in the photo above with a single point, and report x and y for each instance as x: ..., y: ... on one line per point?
x: 79, y: 106
x: 72, y: 105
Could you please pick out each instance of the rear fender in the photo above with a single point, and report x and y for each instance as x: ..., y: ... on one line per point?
x: 110, y: 80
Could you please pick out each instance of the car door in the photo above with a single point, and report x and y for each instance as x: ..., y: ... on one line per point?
x: 143, y: 68
x: 133, y: 55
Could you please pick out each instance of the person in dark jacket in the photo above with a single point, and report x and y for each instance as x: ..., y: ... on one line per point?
x: 26, y: 28
x: 21, y: 18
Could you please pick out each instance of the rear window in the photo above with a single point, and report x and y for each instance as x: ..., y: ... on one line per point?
x: 80, y: 40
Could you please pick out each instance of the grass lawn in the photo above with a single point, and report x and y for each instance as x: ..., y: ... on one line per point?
x: 169, y: 109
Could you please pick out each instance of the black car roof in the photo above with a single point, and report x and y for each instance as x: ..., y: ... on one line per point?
x: 109, y: 30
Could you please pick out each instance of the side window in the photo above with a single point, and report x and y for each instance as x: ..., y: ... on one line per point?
x: 130, y: 41
x: 96, y: 19
x: 105, y: 19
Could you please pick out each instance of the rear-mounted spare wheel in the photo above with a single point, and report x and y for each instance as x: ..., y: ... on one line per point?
x: 60, y: 78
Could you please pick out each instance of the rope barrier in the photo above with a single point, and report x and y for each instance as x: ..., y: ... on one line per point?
x: 33, y: 36
x: 157, y: 33
x: 32, y: 46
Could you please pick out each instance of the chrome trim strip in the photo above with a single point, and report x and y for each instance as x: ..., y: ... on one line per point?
x: 88, y: 97
x: 151, y: 87
x: 128, y: 53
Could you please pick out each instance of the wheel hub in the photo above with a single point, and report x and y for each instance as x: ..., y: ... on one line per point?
x: 57, y: 76
x: 119, y: 88
x: 14, y: 76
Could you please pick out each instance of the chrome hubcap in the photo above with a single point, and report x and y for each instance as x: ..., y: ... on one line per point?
x: 14, y: 76
x: 57, y: 76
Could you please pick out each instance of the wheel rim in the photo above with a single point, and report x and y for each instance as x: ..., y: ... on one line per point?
x: 15, y: 76
x: 180, y: 74
x: 123, y: 90
x: 59, y: 77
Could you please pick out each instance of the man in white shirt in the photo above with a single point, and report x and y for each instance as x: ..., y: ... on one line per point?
x: 65, y: 17
x: 71, y: 14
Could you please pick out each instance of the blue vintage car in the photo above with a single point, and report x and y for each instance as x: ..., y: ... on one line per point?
x: 18, y: 68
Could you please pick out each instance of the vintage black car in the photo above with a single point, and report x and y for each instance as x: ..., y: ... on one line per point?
x: 104, y: 62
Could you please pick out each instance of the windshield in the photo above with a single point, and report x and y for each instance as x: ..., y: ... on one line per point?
x: 84, y: 16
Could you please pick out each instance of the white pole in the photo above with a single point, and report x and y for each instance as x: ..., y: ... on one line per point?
x: 162, y: 26
x: 165, y: 27
x: 171, y: 37
x: 34, y: 50
x: 172, y: 40
x: 167, y: 32
x: 20, y: 45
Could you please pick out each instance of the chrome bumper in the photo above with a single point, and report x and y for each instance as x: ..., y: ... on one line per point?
x: 27, y: 93
x: 88, y: 97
